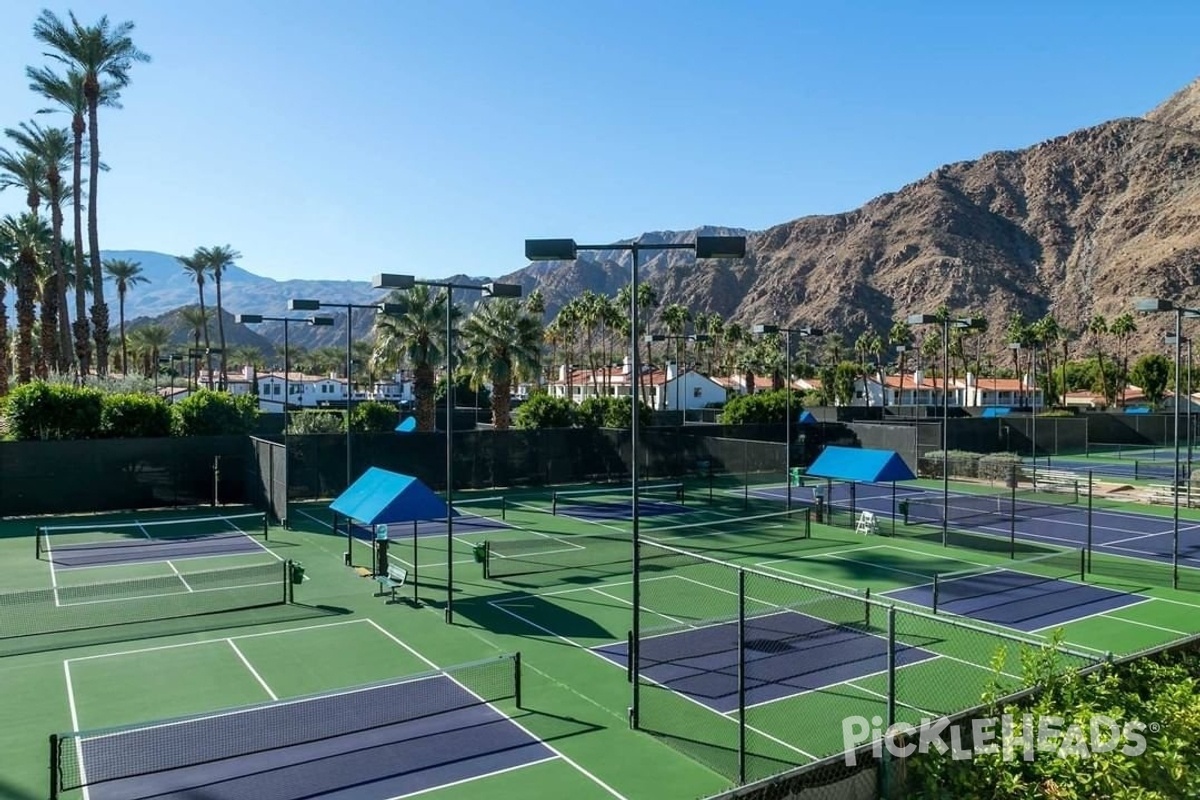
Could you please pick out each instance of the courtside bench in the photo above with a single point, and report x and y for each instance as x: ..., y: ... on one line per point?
x: 1053, y: 480
x: 395, y: 579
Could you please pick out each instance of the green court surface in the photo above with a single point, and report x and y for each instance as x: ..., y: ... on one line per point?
x: 559, y: 593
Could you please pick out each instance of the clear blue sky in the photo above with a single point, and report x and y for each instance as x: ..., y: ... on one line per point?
x: 340, y: 139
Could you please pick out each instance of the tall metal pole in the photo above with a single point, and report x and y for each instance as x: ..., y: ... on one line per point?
x: 1188, y: 391
x: 635, y: 381
x: 287, y: 387
x: 787, y: 387
x: 449, y: 456
x: 1175, y: 493
x: 678, y: 365
x: 945, y: 426
x: 349, y: 393
x: 1033, y: 409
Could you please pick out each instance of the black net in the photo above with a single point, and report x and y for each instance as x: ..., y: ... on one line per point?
x: 183, y: 594
x: 88, y: 758
x: 1002, y: 580
x: 106, y: 541
x: 616, y: 501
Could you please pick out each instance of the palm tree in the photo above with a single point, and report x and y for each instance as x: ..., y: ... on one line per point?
x: 125, y: 275
x: 901, y: 335
x: 1097, y: 327
x: 53, y: 147
x: 196, y: 318
x: 675, y: 318
x: 218, y: 260
x: 102, y: 54
x: 415, y: 335
x: 147, y: 343
x: 196, y: 265
x: 500, y: 347
x: 29, y: 239
x: 1123, y: 327
x: 867, y: 344
x: 7, y: 273
x: 67, y: 91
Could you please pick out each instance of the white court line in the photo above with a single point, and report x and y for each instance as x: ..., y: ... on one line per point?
x: 179, y: 575
x: 1148, y: 625
x: 473, y: 778
x: 504, y: 716
x: 847, y: 682
x: 253, y: 671
x: 156, y: 561
x: 256, y: 542
x: 214, y: 641
x: 920, y: 575
x: 75, y: 726
x: 768, y: 564
x: 1106, y: 613
x: 142, y: 528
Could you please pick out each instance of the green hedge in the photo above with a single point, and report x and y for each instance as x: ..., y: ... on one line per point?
x: 54, y: 411
x: 209, y: 413
x: 543, y: 411
x: 126, y: 416
x: 762, y: 407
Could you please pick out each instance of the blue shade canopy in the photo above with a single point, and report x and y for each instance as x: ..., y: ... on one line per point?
x: 996, y: 411
x: 860, y: 464
x: 380, y: 497
x: 1137, y: 410
x: 807, y: 418
x: 407, y: 425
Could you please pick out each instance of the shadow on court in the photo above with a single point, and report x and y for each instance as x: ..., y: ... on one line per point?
x: 529, y: 615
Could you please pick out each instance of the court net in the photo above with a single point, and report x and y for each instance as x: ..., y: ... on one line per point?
x: 613, y: 552
x: 1013, y: 576
x: 88, y: 758
x: 183, y: 594
x: 104, y: 535
x: 988, y: 509
x: 616, y: 501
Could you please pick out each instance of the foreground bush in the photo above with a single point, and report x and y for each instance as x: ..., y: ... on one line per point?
x: 762, y: 407
x: 543, y: 411
x: 210, y: 413
x: 124, y: 416
x: 374, y: 417
x: 54, y: 411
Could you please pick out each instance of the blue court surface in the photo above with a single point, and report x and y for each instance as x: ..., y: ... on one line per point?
x: 335, y: 746
x: 140, y: 550
x: 464, y: 524
x: 1121, y: 533
x: 787, y: 653
x: 1017, y: 599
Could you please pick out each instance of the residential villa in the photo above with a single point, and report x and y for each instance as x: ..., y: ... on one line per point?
x: 668, y: 389
x: 303, y: 390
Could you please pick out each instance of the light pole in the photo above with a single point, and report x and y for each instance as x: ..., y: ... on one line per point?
x: 254, y: 319
x: 1151, y: 305
x: 679, y: 339
x: 947, y: 322
x: 317, y: 305
x: 1187, y: 392
x: 901, y: 349
x: 1016, y: 347
x: 392, y: 281
x: 761, y: 330
x: 568, y: 250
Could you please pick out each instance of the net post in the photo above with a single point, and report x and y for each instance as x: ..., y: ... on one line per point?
x: 487, y: 559
x: 808, y: 523
x: 1014, y: 478
x: 266, y: 527
x: 891, y: 667
x: 415, y: 565
x: 1082, y: 563
x: 1091, y: 488
x: 935, y: 593
x: 741, y: 671
x: 867, y: 606
x: 629, y: 676
x: 289, y: 592
x: 554, y: 504
x: 503, y: 507
x: 37, y: 542
x: 517, y: 678
x: 55, y: 746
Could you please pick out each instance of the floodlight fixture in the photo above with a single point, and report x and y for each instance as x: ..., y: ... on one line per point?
x: 248, y: 319
x: 551, y: 249
x: 387, y: 280
x: 304, y: 305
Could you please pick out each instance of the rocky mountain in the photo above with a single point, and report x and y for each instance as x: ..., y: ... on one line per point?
x: 1076, y: 226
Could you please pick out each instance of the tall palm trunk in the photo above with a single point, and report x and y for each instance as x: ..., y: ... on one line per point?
x: 91, y: 91
x: 83, y: 350
x: 423, y: 391
x: 48, y: 351
x: 3, y: 338
x: 221, y: 327
x: 207, y: 343
x: 26, y: 290
x: 60, y: 328
x: 501, y: 404
x: 124, y: 344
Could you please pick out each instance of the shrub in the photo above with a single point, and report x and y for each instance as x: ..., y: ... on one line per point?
x: 374, y: 417
x: 54, y: 411
x: 210, y: 413
x: 762, y: 407
x: 543, y: 411
x: 610, y: 412
x: 314, y: 421
x: 134, y: 415
x: 963, y: 464
x: 999, y: 466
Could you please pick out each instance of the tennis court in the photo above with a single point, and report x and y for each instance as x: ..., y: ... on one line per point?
x: 110, y: 543
x: 390, y: 738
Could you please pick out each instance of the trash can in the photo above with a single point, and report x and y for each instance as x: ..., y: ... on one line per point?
x: 297, y: 572
x: 480, y: 552
x: 797, y: 476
